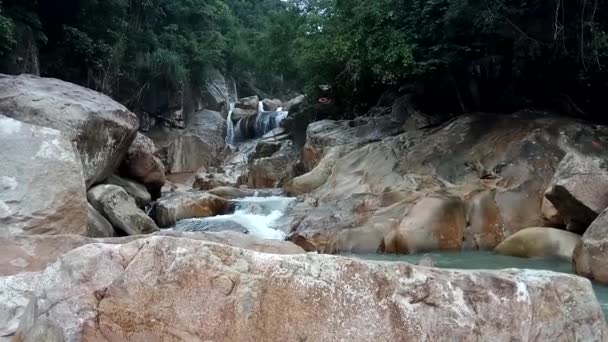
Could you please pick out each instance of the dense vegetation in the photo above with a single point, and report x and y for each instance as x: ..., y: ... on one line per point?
x: 472, y: 54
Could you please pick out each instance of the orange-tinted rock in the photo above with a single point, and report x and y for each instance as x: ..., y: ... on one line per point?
x: 164, y: 289
x: 184, y: 205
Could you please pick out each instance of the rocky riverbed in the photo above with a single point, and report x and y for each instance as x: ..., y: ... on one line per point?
x: 220, y: 230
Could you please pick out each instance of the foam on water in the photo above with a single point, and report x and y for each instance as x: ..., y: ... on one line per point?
x: 256, y: 214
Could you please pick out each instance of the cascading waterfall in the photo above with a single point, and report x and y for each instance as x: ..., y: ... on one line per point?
x: 253, y: 127
x: 267, y: 121
x: 230, y: 127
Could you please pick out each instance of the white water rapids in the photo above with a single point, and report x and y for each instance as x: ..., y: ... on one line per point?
x: 256, y: 215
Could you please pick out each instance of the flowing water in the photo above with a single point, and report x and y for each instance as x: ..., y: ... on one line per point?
x: 492, y: 261
x: 265, y: 121
x: 254, y: 215
x: 230, y: 127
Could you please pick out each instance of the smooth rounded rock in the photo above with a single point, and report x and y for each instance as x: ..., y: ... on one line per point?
x: 540, y: 242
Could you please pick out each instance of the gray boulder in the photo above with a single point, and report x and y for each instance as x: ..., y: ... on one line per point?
x: 120, y: 209
x: 272, y: 104
x: 42, y: 189
x: 142, y: 164
x: 99, y: 226
x: 591, y: 254
x: 579, y: 190
x: 101, y: 128
x: 137, y: 191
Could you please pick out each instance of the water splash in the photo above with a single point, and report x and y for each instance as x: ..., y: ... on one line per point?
x: 267, y: 121
x: 255, y: 214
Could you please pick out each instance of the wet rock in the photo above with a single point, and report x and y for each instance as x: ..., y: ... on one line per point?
x: 99, y: 226
x: 101, y: 128
x: 540, y: 242
x: 591, y: 254
x: 137, y: 191
x: 207, y: 181
x: 143, y: 165
x: 229, y: 192
x: 291, y: 298
x: 184, y: 205
x: 272, y: 105
x: 245, y: 107
x: 42, y: 187
x: 115, y: 204
x: 579, y: 190
x: 202, y: 225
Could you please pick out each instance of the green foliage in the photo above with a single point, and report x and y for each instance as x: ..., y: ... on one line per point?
x: 7, y: 35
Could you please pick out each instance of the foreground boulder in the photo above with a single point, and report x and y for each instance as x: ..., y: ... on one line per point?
x: 579, y: 190
x: 42, y: 189
x: 591, y: 254
x: 114, y: 203
x: 101, y: 128
x: 184, y: 205
x: 142, y: 164
x: 540, y: 242
x: 291, y: 298
x: 34, y: 253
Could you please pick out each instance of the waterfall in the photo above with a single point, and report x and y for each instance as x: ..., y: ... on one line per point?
x: 230, y: 126
x: 251, y: 127
x: 267, y: 121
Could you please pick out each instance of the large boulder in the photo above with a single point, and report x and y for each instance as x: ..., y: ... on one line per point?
x: 360, y: 196
x: 142, y: 164
x: 540, y: 242
x: 591, y: 254
x: 433, y: 223
x: 579, y: 190
x: 273, y: 171
x: 34, y: 253
x: 218, y: 91
x: 272, y: 105
x: 204, y: 180
x: 199, y: 145
x: 115, y: 204
x: 245, y: 107
x: 137, y: 191
x: 99, y: 226
x: 195, y: 290
x: 184, y: 205
x: 251, y: 102
x: 101, y: 128
x: 294, y: 102
x: 42, y: 188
